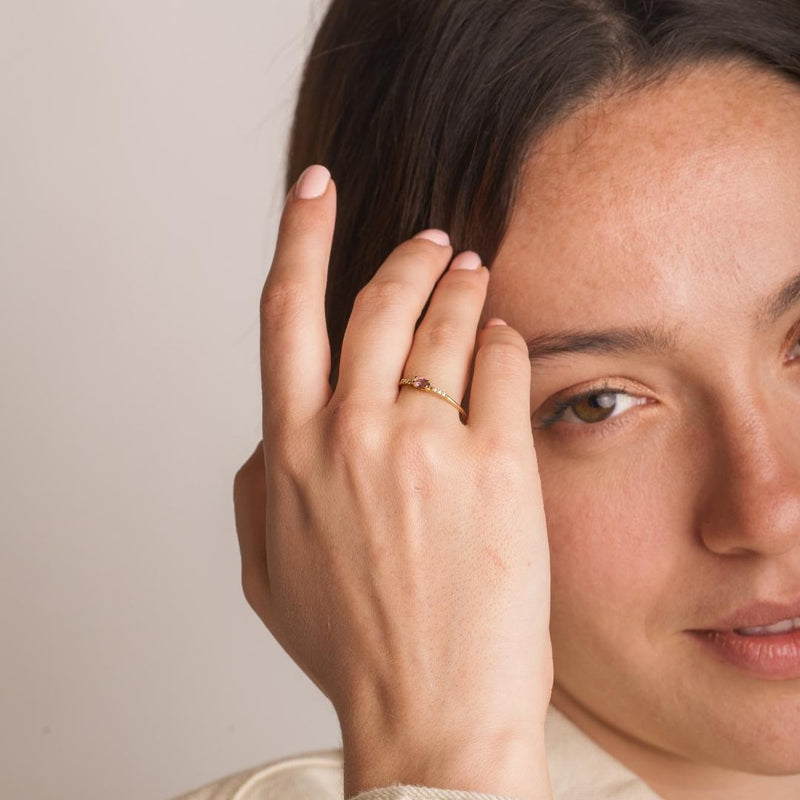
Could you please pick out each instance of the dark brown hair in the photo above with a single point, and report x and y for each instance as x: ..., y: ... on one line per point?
x: 425, y: 111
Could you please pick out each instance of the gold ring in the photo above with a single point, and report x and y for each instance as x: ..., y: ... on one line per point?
x: 423, y: 384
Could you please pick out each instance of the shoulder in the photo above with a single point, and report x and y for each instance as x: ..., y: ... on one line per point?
x: 314, y: 775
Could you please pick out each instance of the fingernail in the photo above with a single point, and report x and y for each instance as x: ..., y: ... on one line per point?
x: 466, y: 260
x: 434, y: 235
x: 495, y: 321
x: 313, y: 182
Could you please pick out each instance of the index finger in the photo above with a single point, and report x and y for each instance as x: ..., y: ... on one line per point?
x: 295, y: 352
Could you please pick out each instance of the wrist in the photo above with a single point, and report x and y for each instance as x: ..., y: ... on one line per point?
x: 509, y: 764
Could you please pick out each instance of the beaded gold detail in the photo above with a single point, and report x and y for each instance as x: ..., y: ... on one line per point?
x: 423, y: 384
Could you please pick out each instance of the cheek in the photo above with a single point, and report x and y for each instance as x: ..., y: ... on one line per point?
x: 614, y: 528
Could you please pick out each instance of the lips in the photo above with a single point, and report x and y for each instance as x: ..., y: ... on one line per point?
x: 775, y: 657
x: 739, y: 640
x: 784, y: 626
x: 760, y: 614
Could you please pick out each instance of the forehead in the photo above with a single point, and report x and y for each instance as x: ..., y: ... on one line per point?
x: 642, y: 206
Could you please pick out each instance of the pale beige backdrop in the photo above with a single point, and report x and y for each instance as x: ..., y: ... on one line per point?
x: 141, y: 158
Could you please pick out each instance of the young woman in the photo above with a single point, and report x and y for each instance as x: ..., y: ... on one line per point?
x: 557, y: 557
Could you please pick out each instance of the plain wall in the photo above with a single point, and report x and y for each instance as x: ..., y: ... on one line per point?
x: 142, y: 148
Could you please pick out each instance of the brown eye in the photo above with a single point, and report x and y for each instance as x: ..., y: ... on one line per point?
x: 592, y: 406
x: 595, y: 407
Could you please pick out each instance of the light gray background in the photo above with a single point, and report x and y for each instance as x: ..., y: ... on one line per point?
x: 142, y: 150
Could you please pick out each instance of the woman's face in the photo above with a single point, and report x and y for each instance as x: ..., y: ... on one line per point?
x: 676, y: 500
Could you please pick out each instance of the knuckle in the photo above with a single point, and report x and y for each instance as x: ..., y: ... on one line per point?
x: 245, y: 486
x: 502, y: 458
x: 287, y: 451
x: 282, y: 301
x: 381, y: 295
x: 349, y: 426
x: 465, y: 287
x: 501, y: 451
x: 465, y: 281
x: 251, y: 469
x: 444, y: 333
x: 418, y: 452
x: 288, y: 457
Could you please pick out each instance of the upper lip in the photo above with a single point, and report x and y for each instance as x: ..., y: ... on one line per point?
x: 757, y: 614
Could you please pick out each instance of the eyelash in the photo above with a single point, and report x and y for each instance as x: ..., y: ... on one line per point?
x: 562, y: 406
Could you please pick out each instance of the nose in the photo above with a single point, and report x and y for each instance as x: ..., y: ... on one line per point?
x: 750, y: 494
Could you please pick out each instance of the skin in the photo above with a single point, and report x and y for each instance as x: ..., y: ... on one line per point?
x: 678, y: 206
x: 364, y: 567
x: 675, y: 208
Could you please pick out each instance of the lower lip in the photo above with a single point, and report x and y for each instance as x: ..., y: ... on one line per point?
x: 772, y: 657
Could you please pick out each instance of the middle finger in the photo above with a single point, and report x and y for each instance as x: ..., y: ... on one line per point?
x: 380, y: 330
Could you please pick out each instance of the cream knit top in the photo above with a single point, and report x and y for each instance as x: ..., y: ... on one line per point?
x: 579, y: 770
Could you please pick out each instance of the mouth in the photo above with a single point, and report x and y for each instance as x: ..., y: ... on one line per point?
x: 783, y: 626
x: 760, y: 617
x: 760, y: 639
x: 770, y: 653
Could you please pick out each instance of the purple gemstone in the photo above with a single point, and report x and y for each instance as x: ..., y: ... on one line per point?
x: 421, y: 383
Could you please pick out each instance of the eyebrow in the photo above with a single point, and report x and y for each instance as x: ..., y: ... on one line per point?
x: 776, y: 305
x: 636, y: 339
x: 658, y: 339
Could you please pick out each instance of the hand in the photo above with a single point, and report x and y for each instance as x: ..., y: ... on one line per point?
x: 398, y: 555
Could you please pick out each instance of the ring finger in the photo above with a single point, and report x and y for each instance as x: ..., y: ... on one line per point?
x: 444, y: 343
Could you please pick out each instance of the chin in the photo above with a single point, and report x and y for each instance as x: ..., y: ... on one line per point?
x: 761, y: 737
x: 765, y: 764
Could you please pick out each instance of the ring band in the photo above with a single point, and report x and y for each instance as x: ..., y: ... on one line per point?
x: 423, y: 384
